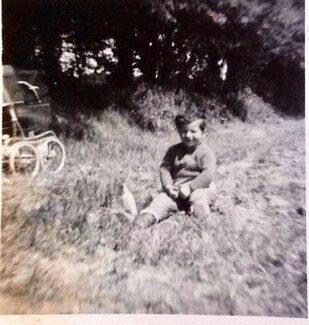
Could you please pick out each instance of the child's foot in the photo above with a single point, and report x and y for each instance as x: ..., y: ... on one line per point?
x: 124, y: 216
x: 144, y: 220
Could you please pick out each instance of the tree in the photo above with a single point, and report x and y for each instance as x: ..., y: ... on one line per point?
x: 179, y: 43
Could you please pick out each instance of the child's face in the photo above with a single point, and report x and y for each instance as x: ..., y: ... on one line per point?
x: 191, y: 134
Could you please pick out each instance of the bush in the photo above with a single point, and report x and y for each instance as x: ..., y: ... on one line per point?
x: 72, y: 122
x: 249, y: 107
x: 154, y: 108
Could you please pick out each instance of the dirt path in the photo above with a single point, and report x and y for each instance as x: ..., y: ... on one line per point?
x: 266, y: 192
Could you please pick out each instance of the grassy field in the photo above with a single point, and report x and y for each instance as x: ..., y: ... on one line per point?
x: 67, y: 248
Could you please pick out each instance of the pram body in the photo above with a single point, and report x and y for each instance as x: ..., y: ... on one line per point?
x: 28, y: 147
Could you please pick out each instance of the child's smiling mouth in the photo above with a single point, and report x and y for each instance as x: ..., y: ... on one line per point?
x: 189, y: 141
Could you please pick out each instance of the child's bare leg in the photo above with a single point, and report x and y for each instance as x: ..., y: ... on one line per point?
x: 160, y: 208
x: 199, y: 201
x: 201, y: 209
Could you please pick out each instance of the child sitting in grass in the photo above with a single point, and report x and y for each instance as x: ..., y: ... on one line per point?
x: 187, y: 175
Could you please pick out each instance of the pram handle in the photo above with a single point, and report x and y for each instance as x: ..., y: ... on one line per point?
x: 13, y: 103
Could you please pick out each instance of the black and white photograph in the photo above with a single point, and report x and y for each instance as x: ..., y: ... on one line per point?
x: 153, y: 158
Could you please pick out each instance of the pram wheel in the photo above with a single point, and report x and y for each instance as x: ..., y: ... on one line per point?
x: 24, y: 159
x: 52, y: 155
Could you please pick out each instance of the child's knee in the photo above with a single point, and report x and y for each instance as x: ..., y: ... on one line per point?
x: 206, y: 194
x: 199, y: 194
x: 200, y: 208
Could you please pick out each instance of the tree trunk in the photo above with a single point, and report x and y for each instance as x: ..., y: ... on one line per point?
x: 124, y: 43
x: 149, y: 57
x: 213, y: 79
x: 232, y: 81
x: 49, y: 34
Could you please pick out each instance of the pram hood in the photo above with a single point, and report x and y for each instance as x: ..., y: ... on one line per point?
x: 33, y: 114
x: 14, y: 92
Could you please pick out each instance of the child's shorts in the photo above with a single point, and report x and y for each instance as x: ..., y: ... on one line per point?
x: 163, y: 206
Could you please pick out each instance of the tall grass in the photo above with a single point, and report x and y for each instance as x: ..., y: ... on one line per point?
x: 67, y: 246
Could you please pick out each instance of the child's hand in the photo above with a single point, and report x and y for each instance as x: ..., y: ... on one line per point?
x: 172, y: 191
x: 184, y: 191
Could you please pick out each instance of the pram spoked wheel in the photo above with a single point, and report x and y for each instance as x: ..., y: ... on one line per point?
x: 24, y: 159
x: 52, y: 155
x: 27, y: 153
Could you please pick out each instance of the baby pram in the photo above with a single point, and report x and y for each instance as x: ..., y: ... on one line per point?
x: 27, y: 149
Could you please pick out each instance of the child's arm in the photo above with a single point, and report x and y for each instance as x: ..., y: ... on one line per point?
x: 207, y: 175
x: 166, y: 175
x: 165, y: 169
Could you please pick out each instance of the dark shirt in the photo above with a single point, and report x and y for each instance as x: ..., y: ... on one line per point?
x: 196, y: 167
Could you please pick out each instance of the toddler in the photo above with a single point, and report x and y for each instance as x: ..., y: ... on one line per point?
x: 187, y: 175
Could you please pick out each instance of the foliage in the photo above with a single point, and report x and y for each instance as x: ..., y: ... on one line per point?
x: 175, y: 43
x: 279, y: 24
x: 251, y: 108
x: 155, y: 108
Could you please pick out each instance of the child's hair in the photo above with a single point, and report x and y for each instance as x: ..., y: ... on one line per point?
x: 181, y: 120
